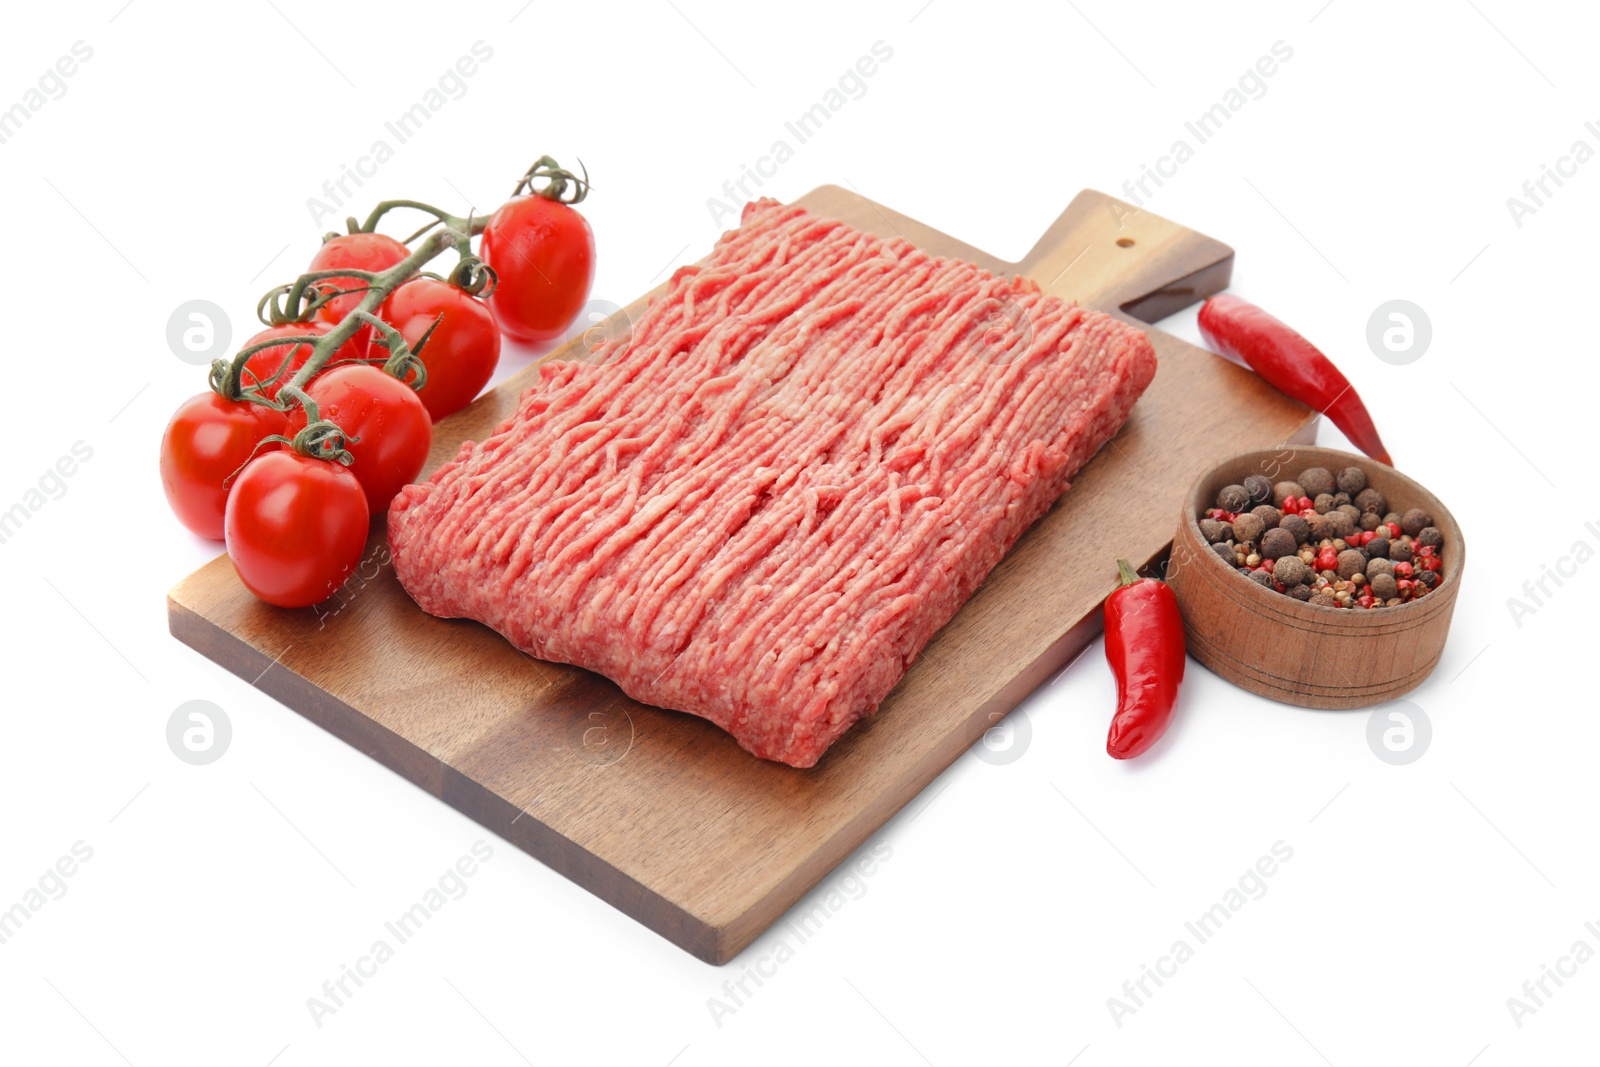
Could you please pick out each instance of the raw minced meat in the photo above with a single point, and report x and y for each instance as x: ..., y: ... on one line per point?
x: 760, y: 505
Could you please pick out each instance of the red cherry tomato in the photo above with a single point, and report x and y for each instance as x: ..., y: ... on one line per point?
x: 388, y: 428
x: 265, y: 363
x: 463, y: 349
x: 296, y: 527
x: 208, y: 439
x: 358, y: 251
x: 542, y: 252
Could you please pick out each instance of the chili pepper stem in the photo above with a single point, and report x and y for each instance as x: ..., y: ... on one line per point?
x: 1126, y: 572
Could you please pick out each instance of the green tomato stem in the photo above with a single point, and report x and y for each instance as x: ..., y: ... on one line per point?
x: 321, y: 438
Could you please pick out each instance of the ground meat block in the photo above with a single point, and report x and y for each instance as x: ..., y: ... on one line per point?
x: 760, y: 505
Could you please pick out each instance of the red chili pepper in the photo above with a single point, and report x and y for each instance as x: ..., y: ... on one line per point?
x: 1145, y: 647
x: 1290, y: 364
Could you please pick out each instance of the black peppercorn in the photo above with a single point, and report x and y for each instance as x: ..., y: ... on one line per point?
x: 1224, y: 552
x: 1339, y: 525
x: 1352, y: 480
x: 1370, y: 499
x: 1277, y: 543
x: 1258, y: 489
x: 1247, y: 527
x: 1317, y: 481
x: 1233, y: 498
x: 1297, y: 526
x: 1377, y: 548
x: 1268, y: 515
x: 1415, y: 521
x: 1400, y: 551
x: 1351, y: 562
x: 1214, y: 530
x: 1290, y: 570
x: 1430, y: 536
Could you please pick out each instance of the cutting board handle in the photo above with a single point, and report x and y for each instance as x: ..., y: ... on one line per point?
x: 1108, y: 254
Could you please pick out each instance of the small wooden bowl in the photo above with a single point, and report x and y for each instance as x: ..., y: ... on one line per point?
x: 1277, y: 647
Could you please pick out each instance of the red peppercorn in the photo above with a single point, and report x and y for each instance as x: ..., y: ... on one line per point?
x: 1305, y: 503
x: 1328, y: 559
x: 1368, y: 536
x: 1267, y: 565
x: 1402, y: 570
x: 1279, y: 586
x: 1290, y: 506
x: 1427, y: 550
x: 1404, y: 585
x: 1431, y: 563
x: 1394, y: 530
x: 1365, y: 601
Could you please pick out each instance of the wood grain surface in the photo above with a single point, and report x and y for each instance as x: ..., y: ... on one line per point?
x: 660, y: 813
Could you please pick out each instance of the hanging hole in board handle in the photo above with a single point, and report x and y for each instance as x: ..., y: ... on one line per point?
x: 1125, y: 242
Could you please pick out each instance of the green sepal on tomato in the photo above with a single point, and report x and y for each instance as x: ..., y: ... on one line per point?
x: 461, y: 351
x: 295, y: 527
x: 385, y: 423
x: 207, y: 441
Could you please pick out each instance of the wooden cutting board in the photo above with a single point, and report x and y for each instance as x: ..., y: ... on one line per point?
x: 660, y: 813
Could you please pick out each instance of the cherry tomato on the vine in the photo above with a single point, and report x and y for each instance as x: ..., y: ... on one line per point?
x: 462, y: 351
x: 357, y: 251
x: 542, y: 252
x: 296, y: 527
x: 208, y: 439
x: 388, y: 428
x: 265, y: 363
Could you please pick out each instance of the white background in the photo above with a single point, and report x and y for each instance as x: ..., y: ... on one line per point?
x: 1017, y: 898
